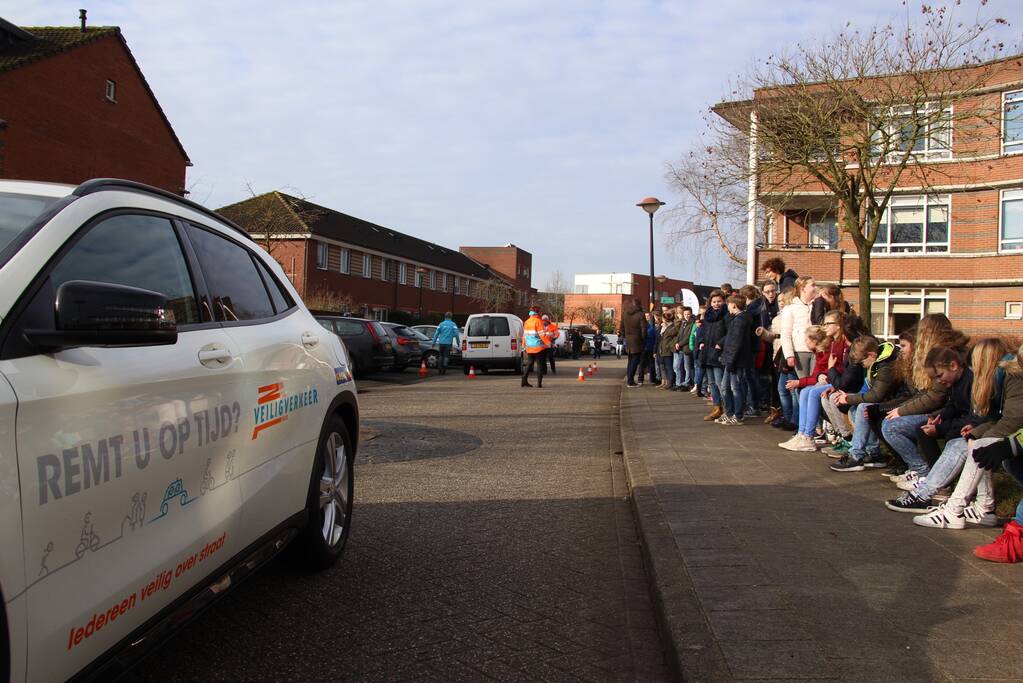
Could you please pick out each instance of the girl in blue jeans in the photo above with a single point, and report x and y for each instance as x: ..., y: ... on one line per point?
x: 828, y: 341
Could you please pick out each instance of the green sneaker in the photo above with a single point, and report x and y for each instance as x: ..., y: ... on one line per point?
x: 838, y: 450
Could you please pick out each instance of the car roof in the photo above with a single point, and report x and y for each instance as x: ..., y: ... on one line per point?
x: 37, y: 188
x: 319, y: 316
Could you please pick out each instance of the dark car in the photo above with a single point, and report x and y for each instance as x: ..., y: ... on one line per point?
x: 407, y: 347
x: 368, y: 343
x: 431, y: 351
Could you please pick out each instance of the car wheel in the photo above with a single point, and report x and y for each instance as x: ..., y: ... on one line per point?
x: 432, y: 360
x: 329, y: 504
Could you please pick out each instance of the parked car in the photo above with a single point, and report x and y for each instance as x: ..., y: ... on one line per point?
x: 406, y: 343
x: 432, y: 351
x: 492, y: 340
x: 171, y: 417
x: 367, y: 341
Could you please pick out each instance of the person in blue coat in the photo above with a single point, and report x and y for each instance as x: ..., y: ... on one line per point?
x: 650, y: 343
x: 445, y: 334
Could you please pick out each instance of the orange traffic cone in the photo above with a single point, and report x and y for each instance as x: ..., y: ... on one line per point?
x: 582, y: 377
x: 472, y: 372
x: 594, y: 367
x: 423, y: 372
x: 589, y: 369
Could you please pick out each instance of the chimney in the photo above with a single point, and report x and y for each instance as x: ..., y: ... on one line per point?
x: 81, y: 17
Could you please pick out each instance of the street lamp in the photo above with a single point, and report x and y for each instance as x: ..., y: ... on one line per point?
x: 650, y: 205
x: 660, y: 283
x: 421, y: 272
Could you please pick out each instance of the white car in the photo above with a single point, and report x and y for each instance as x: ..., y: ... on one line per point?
x: 171, y: 416
x: 492, y: 340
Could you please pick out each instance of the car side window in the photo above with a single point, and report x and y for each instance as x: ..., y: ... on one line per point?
x: 235, y: 285
x: 349, y: 328
x: 134, y: 250
x: 278, y: 294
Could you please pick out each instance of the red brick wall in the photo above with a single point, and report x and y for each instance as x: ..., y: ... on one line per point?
x: 575, y: 303
x: 62, y: 129
x: 508, y: 261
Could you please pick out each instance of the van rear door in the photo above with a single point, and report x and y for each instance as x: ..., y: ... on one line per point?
x: 477, y: 338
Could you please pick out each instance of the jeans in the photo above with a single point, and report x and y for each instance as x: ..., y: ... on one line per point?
x: 676, y: 365
x: 900, y: 434
x: 788, y: 397
x: 836, y: 417
x: 667, y: 371
x: 864, y: 440
x: 735, y: 391
x: 700, y: 373
x: 445, y: 352
x: 716, y: 381
x: 752, y: 383
x: 687, y: 361
x: 944, y: 471
x: 810, y: 408
x: 632, y: 367
x: 973, y: 480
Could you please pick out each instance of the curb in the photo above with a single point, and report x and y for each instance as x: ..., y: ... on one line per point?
x: 692, y: 652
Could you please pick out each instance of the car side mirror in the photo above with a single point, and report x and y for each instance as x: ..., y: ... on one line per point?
x: 90, y: 313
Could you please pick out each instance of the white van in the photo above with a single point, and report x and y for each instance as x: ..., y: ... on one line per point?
x: 492, y: 340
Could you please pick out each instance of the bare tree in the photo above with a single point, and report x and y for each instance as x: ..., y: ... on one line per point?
x: 327, y: 300
x: 493, y: 295
x: 553, y: 295
x: 271, y: 217
x: 856, y: 117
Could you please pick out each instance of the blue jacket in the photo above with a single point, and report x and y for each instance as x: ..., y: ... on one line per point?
x: 445, y: 333
x: 653, y: 338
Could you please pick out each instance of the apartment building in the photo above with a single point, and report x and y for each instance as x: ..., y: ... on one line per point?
x: 955, y: 249
x: 611, y: 291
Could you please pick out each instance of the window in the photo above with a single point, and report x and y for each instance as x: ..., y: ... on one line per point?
x: 823, y: 231
x: 235, y: 285
x: 403, y: 273
x: 926, y: 132
x: 381, y: 315
x: 282, y: 301
x: 486, y: 326
x: 419, y: 279
x: 443, y: 282
x: 895, y: 310
x: 322, y: 254
x: 433, y: 279
x: 1014, y: 310
x: 111, y: 93
x: 349, y: 328
x: 346, y: 261
x: 367, y: 266
x: 137, y: 251
x: 385, y: 265
x: 582, y: 289
x: 1012, y: 122
x: 1011, y: 230
x: 468, y: 287
x: 914, y: 225
x: 457, y: 287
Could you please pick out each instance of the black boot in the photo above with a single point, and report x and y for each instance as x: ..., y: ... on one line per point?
x: 526, y: 383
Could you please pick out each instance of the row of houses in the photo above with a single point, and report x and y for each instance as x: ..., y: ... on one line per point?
x: 74, y: 105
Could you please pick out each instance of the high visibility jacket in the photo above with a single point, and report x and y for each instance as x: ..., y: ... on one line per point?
x: 533, y: 338
x: 551, y: 332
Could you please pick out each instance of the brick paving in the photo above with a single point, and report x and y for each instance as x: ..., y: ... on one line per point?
x: 768, y: 565
x: 506, y: 551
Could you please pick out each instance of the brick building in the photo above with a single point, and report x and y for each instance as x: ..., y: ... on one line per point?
x: 339, y: 262
x: 958, y: 249
x: 74, y: 105
x: 611, y: 291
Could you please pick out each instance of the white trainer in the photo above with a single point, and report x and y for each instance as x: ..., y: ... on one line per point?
x: 790, y: 445
x: 911, y: 481
x: 941, y: 517
x: 974, y: 514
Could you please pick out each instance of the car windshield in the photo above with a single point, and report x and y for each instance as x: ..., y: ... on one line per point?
x: 485, y: 326
x: 18, y: 212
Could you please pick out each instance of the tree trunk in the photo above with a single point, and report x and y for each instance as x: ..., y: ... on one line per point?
x: 864, y: 283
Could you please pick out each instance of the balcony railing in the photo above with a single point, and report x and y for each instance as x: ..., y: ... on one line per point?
x: 796, y: 245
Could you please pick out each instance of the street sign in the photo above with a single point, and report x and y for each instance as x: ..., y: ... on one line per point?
x: 667, y: 299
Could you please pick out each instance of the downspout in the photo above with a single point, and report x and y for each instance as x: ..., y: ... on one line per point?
x: 751, y: 209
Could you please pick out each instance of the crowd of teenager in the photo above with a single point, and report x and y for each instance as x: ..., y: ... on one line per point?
x: 936, y: 411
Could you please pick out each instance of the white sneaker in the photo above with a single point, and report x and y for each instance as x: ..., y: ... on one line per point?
x: 790, y: 445
x: 806, y: 444
x: 974, y: 514
x: 911, y: 482
x: 941, y: 517
x: 721, y: 420
x: 693, y: 390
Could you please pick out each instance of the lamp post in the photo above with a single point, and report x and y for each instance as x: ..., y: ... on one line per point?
x: 421, y: 272
x: 650, y: 205
x: 660, y: 283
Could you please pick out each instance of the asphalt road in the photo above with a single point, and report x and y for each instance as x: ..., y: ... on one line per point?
x: 491, y: 539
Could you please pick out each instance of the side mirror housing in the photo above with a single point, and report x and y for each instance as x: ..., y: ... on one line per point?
x: 88, y: 313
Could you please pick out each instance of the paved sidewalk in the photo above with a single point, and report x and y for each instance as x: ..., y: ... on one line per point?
x: 768, y: 565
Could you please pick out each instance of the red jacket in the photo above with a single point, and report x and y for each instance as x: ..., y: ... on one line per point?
x: 820, y: 366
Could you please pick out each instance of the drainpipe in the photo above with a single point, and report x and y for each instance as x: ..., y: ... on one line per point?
x: 751, y: 209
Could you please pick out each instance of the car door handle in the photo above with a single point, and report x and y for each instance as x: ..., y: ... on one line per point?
x: 215, y: 356
x: 309, y: 339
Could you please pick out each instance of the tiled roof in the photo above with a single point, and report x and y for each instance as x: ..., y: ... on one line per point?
x: 24, y: 45
x: 323, y: 222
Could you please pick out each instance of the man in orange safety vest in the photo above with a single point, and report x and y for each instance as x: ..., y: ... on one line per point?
x: 552, y: 333
x: 534, y: 341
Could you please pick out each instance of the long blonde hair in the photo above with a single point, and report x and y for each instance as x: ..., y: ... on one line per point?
x: 933, y: 330
x: 984, y: 359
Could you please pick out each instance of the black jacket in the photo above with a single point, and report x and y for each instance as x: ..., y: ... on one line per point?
x: 787, y: 281
x: 737, y: 349
x: 713, y: 335
x: 683, y: 335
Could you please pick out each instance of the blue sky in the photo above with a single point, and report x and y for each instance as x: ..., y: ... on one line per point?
x: 466, y: 123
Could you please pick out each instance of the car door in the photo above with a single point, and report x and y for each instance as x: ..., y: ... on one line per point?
x: 124, y: 498
x: 287, y: 383
x: 358, y: 342
x: 477, y: 335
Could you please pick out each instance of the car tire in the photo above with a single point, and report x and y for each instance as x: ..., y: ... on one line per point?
x: 331, y: 488
x: 432, y: 359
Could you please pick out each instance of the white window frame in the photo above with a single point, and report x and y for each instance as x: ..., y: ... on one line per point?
x: 367, y: 266
x: 1010, y: 196
x: 111, y: 91
x: 443, y: 282
x: 457, y: 286
x: 884, y: 297
x: 809, y: 233
x: 433, y: 279
x: 384, y: 267
x: 927, y: 154
x: 1014, y: 310
x: 1015, y: 147
x: 346, y: 262
x: 418, y: 279
x: 402, y: 273
x: 380, y: 314
x: 917, y: 201
x: 322, y: 256
x: 468, y: 287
